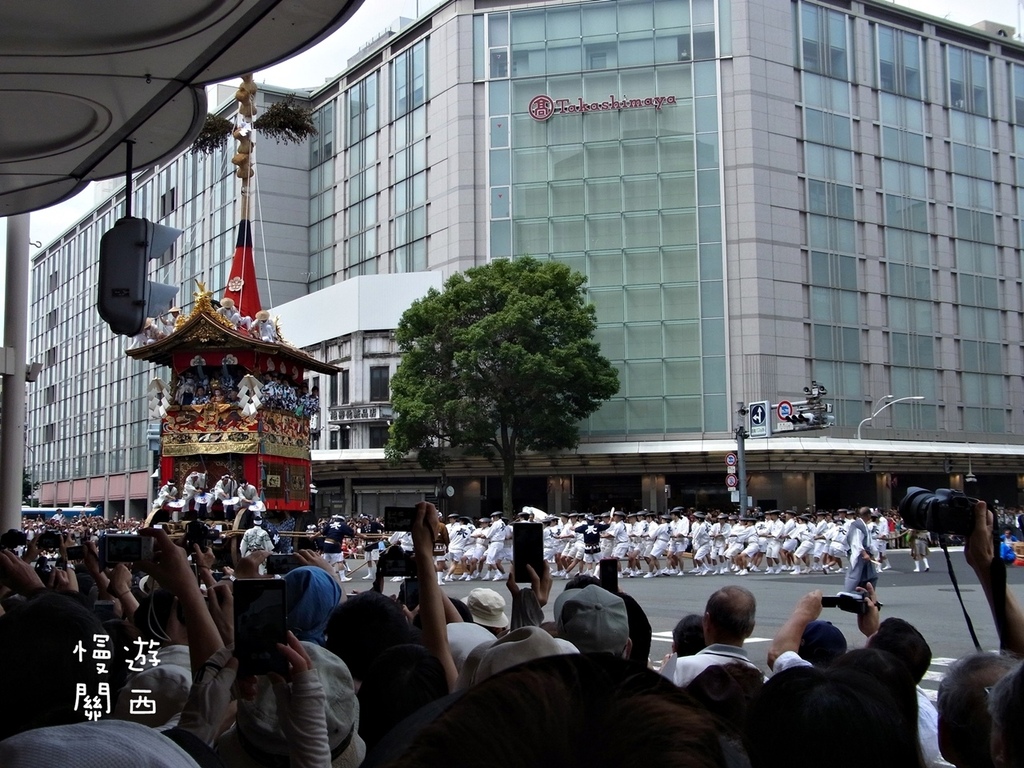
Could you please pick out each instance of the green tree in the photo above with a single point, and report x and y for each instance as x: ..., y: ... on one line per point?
x: 503, y: 360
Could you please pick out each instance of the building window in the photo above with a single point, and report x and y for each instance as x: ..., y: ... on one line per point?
x: 968, y: 80
x: 344, y: 388
x: 824, y: 41
x: 378, y: 436
x: 380, y: 381
x: 49, y: 433
x: 168, y: 202
x: 51, y: 357
x: 361, y: 178
x: 321, y: 145
x: 409, y: 74
x: 899, y: 62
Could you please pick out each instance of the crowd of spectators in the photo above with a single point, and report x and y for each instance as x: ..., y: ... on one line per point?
x: 104, y: 668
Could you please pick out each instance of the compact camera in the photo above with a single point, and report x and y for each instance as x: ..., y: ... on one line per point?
x: 395, y: 561
x: 124, y: 548
x: 943, y: 511
x: 399, y: 518
x: 49, y: 540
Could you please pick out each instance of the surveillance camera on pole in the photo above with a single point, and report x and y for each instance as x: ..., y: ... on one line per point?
x: 126, y: 295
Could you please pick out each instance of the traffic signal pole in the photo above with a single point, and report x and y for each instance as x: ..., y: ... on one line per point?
x: 741, y: 457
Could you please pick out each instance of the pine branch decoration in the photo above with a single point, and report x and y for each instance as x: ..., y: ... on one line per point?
x: 285, y: 121
x: 213, y: 136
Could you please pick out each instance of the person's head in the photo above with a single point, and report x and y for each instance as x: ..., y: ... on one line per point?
x: 594, y: 620
x: 821, y: 643
x: 106, y: 743
x: 570, y: 710
x: 39, y: 665
x: 258, y: 734
x: 487, y: 608
x: 726, y: 690
x: 312, y: 595
x: 839, y: 712
x: 1006, y: 708
x: 900, y: 638
x: 401, y: 680
x: 892, y: 673
x: 511, y: 649
x: 364, y: 626
x: 688, y: 635
x: 581, y: 580
x: 729, y: 616
x: 964, y: 722
x: 864, y: 513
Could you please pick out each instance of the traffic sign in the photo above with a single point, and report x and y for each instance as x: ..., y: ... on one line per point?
x: 730, y: 459
x: 732, y: 480
x: 758, y: 416
x: 784, y: 409
x: 731, y: 470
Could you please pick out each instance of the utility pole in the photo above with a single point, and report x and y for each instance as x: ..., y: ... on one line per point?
x: 741, y: 458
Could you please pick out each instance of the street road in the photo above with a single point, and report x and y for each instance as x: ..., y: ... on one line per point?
x: 926, y: 600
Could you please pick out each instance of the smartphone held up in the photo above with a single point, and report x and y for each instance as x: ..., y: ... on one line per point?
x: 527, y: 549
x: 260, y: 624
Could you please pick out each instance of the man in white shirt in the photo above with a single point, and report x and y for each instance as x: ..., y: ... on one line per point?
x: 882, y: 531
x: 728, y: 621
x: 619, y: 537
x: 701, y: 535
x: 495, y: 546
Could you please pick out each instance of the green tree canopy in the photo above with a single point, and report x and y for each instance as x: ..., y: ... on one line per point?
x: 503, y: 360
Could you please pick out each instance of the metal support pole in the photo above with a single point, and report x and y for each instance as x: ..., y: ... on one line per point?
x: 12, y: 428
x: 741, y: 465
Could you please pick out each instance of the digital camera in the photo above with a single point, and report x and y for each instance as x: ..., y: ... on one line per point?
x: 124, y: 548
x: 852, y: 602
x: 394, y: 561
x: 943, y: 511
x: 49, y: 540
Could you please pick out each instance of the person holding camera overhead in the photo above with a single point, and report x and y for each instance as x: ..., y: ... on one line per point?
x: 863, y: 553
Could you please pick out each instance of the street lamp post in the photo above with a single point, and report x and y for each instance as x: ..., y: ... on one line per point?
x: 891, y: 402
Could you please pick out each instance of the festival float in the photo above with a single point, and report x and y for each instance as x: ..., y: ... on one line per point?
x: 236, y: 403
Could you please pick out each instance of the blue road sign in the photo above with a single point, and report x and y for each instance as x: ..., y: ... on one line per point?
x: 758, y: 415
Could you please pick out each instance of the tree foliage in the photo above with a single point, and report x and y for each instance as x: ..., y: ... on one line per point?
x: 503, y: 360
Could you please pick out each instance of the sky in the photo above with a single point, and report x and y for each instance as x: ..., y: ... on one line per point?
x: 321, y: 63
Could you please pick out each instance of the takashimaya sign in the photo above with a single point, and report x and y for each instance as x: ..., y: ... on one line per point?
x: 543, y: 106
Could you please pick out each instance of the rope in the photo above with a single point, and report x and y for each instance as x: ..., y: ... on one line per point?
x: 262, y: 237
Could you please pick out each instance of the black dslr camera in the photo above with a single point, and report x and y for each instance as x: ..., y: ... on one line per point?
x: 943, y: 511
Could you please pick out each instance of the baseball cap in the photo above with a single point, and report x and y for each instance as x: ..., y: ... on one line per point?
x: 593, y: 619
x: 487, y: 608
x: 822, y: 643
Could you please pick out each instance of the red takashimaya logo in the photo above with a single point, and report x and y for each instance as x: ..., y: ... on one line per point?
x: 542, y: 107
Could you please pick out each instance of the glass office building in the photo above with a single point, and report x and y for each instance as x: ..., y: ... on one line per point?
x: 761, y: 193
